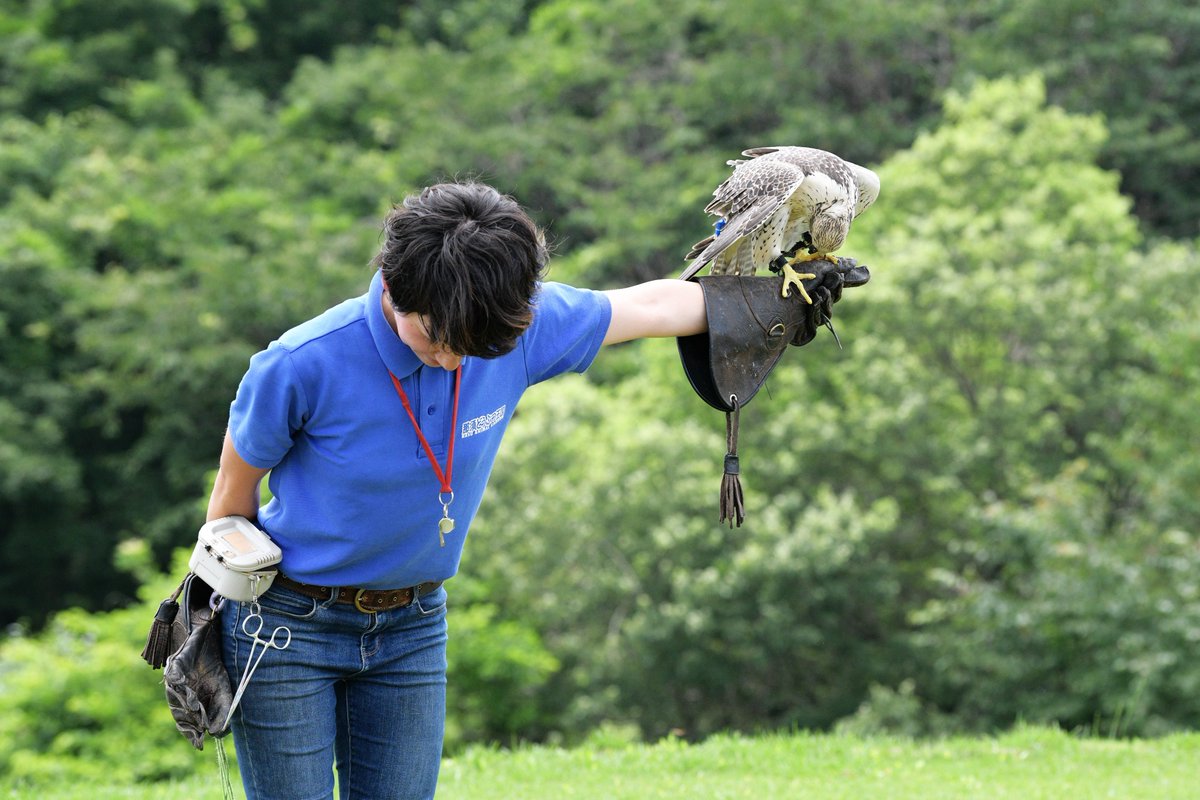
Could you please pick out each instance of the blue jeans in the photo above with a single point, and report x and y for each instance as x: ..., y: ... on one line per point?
x: 367, y: 691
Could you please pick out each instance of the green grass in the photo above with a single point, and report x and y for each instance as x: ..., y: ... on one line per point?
x: 1027, y: 764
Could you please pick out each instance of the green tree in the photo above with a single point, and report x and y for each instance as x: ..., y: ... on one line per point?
x: 1138, y: 63
x: 145, y: 266
x: 60, y: 56
x: 182, y: 180
x: 77, y: 703
x: 602, y: 531
x: 41, y: 482
x: 996, y: 354
x: 1026, y: 335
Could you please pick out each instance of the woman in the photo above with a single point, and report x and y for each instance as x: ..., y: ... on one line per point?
x: 379, y: 421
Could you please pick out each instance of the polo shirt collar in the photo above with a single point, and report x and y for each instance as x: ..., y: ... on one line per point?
x: 396, y: 355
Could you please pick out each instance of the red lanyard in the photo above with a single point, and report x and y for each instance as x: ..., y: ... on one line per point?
x: 444, y: 477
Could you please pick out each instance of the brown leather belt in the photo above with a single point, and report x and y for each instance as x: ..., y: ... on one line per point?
x: 368, y: 601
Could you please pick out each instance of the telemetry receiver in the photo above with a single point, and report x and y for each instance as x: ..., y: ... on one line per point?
x: 235, y: 558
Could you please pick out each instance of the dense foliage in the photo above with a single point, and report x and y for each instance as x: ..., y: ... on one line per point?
x: 983, y: 509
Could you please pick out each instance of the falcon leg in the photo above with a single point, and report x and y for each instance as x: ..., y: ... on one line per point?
x: 791, y: 277
x: 805, y: 243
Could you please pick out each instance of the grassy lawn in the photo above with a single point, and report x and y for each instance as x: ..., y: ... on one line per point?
x: 1027, y: 764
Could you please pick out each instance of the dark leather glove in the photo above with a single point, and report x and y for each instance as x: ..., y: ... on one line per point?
x: 198, y: 690
x: 825, y: 290
x: 750, y: 324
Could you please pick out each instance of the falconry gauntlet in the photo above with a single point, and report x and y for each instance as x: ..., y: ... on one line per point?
x: 749, y: 327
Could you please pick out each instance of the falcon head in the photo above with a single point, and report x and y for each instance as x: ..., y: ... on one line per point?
x: 829, y: 229
x: 830, y: 225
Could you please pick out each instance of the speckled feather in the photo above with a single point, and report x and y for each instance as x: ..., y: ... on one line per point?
x: 770, y: 202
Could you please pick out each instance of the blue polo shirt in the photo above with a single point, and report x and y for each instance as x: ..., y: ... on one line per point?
x: 355, y: 497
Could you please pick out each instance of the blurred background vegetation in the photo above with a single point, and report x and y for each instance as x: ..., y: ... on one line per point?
x: 983, y: 509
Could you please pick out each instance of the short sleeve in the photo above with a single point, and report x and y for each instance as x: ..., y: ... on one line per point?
x: 568, y: 328
x: 270, y: 407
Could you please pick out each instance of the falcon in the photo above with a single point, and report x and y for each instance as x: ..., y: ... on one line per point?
x: 780, y: 202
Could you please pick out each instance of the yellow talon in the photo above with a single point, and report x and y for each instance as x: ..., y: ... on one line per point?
x: 790, y: 276
x: 793, y: 278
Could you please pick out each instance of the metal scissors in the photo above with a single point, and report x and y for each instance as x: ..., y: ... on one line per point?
x: 252, y: 626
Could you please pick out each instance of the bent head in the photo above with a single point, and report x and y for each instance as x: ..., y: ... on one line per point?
x: 413, y: 331
x: 465, y: 260
x: 829, y: 231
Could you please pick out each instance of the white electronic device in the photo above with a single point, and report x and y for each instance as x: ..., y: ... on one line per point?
x: 234, y: 557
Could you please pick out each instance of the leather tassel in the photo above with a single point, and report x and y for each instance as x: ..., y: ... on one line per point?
x: 158, y: 642
x: 732, y: 506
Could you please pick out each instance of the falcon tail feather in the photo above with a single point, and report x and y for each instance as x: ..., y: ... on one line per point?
x: 692, y: 269
x: 699, y: 247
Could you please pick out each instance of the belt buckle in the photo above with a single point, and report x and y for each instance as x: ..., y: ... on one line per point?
x: 358, y: 602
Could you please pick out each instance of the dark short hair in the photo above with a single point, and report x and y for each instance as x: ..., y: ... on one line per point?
x: 468, y: 259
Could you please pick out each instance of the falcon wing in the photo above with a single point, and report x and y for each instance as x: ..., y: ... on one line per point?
x: 746, y: 200
x: 755, y: 152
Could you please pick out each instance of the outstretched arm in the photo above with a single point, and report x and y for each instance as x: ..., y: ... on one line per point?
x: 664, y: 307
